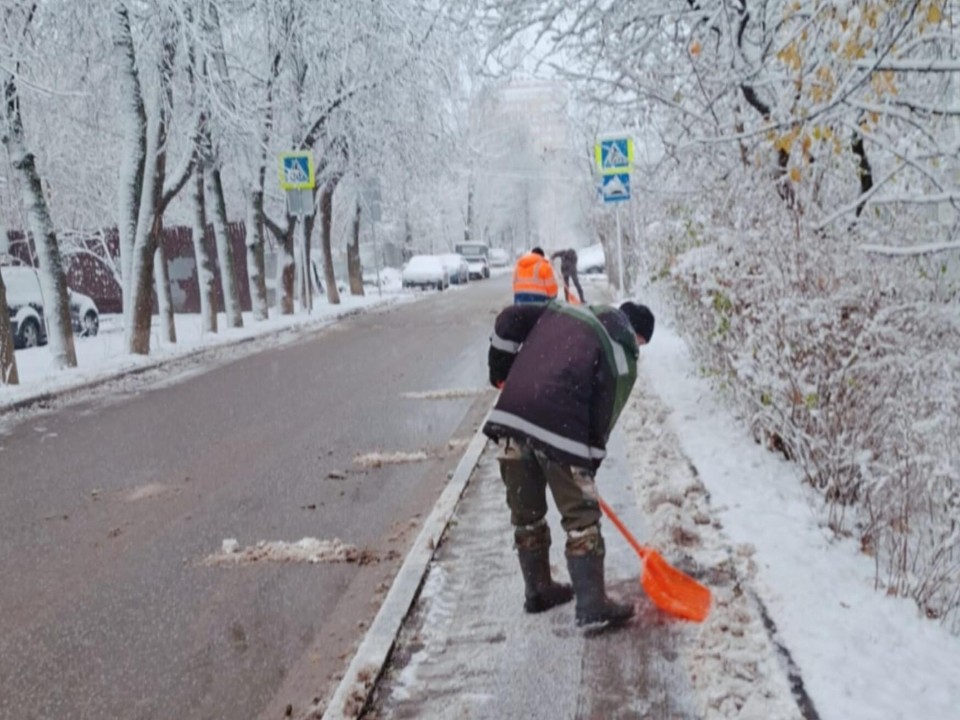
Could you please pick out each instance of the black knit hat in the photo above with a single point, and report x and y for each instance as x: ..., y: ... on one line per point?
x: 640, y: 317
x: 538, y: 251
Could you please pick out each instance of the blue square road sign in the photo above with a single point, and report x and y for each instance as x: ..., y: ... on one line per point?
x: 616, y: 188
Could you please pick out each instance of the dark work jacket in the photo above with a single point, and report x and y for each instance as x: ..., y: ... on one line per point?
x: 569, y: 370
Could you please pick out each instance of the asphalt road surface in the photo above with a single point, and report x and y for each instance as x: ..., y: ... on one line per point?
x: 109, y: 507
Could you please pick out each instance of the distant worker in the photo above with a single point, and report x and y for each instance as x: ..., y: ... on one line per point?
x: 568, y: 268
x: 533, y: 279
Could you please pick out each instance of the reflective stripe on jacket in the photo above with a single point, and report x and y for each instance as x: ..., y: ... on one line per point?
x: 569, y: 370
x: 533, y: 279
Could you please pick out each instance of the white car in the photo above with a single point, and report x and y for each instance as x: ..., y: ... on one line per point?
x: 478, y: 268
x: 425, y: 271
x: 499, y: 257
x: 457, y: 267
x: 83, y: 314
x: 25, y: 304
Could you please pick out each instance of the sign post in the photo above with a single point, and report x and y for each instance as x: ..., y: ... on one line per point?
x: 298, y: 178
x: 614, y: 156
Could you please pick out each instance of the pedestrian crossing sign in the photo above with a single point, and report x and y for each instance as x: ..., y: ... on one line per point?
x: 614, y: 155
x: 296, y: 171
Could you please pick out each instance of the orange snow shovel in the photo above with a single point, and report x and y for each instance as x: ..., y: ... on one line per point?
x: 670, y: 590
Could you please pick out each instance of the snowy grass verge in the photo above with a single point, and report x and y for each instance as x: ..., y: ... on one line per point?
x: 861, y: 654
x: 733, y: 664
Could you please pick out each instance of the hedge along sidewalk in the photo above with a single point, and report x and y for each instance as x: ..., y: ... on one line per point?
x: 103, y: 359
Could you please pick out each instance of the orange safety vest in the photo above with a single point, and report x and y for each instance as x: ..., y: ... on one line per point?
x: 533, y: 279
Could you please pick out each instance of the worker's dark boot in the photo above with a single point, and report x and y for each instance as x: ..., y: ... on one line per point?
x: 585, y: 554
x: 533, y: 548
x: 541, y: 593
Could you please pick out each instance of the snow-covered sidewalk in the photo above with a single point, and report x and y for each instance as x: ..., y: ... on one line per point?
x: 468, y: 650
x: 796, y: 630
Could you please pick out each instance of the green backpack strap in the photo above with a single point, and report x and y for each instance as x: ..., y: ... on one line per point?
x: 621, y: 363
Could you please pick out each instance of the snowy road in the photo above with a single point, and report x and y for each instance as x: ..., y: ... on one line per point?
x: 110, y: 511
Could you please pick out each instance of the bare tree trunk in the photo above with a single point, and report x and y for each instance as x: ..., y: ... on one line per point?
x: 134, y: 120
x: 164, y: 298
x: 228, y: 277
x: 53, y: 280
x: 468, y: 225
x: 326, y: 223
x: 288, y: 271
x: 8, y: 360
x: 256, y: 266
x: 354, y: 268
x: 138, y: 335
x: 149, y: 230
x: 154, y: 196
x: 141, y: 268
x: 213, y: 32
x: 205, y: 276
x: 303, y: 282
x: 284, y: 272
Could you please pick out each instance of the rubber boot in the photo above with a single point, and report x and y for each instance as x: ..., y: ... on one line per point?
x: 533, y: 548
x: 593, y: 605
x: 541, y: 592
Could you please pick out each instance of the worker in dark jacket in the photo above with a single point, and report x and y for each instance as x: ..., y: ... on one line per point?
x: 565, y: 372
x: 568, y: 269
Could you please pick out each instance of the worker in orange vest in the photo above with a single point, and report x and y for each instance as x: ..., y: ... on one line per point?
x: 533, y: 279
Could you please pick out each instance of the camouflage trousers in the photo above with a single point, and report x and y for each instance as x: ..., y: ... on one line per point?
x: 527, y: 473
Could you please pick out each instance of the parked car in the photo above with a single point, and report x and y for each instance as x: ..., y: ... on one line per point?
x: 425, y: 271
x: 477, y: 255
x: 25, y: 304
x: 591, y: 260
x: 83, y: 314
x: 478, y: 268
x: 457, y: 267
x: 499, y: 257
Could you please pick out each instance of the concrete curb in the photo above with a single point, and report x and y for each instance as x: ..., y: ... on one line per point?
x: 48, y: 395
x: 354, y: 690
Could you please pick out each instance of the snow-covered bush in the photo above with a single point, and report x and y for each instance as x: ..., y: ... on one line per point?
x: 847, y: 364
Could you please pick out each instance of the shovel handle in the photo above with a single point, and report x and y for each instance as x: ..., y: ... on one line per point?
x: 608, y: 511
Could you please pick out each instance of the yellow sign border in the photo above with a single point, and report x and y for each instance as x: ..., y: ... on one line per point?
x: 311, y: 171
x: 598, y: 156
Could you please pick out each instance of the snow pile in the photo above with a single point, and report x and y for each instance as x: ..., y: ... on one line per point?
x: 307, y: 550
x: 377, y: 459
x: 446, y: 394
x: 734, y: 668
x: 150, y: 490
